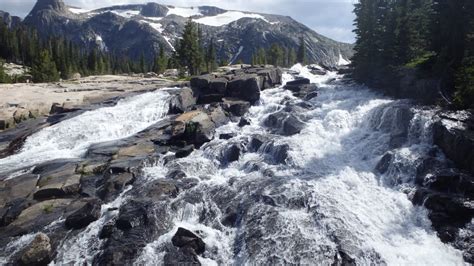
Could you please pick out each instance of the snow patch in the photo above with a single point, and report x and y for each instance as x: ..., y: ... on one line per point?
x: 153, y: 18
x: 101, y: 43
x: 126, y: 13
x: 342, y: 61
x: 184, y: 11
x: 227, y: 17
x: 77, y: 10
x: 241, y: 48
x: 157, y: 26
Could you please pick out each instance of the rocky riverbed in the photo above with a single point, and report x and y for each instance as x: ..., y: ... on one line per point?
x: 253, y: 165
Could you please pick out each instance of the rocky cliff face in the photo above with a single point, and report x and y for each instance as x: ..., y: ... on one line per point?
x: 133, y: 29
x: 9, y: 20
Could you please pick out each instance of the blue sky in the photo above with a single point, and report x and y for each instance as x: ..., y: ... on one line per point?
x: 332, y: 18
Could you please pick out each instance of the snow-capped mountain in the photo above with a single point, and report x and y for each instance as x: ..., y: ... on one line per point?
x: 143, y: 28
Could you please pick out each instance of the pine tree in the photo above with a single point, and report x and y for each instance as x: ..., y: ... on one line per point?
x: 161, y: 62
x: 189, y: 52
x: 44, y: 69
x: 4, y: 78
x: 291, y: 57
x: 211, y: 63
x: 142, y: 68
x: 276, y: 55
x: 301, y: 56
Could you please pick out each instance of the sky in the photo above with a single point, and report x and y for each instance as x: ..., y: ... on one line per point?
x: 331, y: 18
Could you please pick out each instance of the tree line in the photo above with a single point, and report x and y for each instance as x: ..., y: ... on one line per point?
x: 278, y: 55
x: 433, y: 37
x: 54, y: 58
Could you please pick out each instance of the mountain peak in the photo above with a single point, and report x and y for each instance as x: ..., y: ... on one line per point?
x: 57, y: 5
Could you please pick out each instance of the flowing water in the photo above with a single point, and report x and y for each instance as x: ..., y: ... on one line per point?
x: 311, y: 198
x: 72, y: 137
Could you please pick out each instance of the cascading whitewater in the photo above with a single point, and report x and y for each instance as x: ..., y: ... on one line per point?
x: 326, y: 202
x: 311, y: 198
x: 72, y: 137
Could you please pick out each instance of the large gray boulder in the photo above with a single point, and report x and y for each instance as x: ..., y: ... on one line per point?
x: 454, y: 134
x: 85, y: 215
x: 181, y: 100
x: 246, y: 87
x: 235, y: 106
x: 38, y: 252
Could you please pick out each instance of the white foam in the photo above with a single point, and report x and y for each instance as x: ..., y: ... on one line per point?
x: 72, y: 137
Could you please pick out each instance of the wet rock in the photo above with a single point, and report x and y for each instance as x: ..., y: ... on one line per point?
x: 85, y: 215
x: 136, y: 226
x: 272, y: 77
x: 245, y: 87
x: 137, y: 149
x: 343, y: 259
x: 176, y: 174
x: 226, y: 136
x: 12, y: 210
x: 292, y: 125
x: 107, y: 230
x: 113, y: 184
x: 298, y: 81
x: 217, y: 115
x: 162, y: 189
x: 18, y: 187
x: 58, y: 179
x: 187, y: 239
x: 311, y: 95
x: 133, y: 214
x: 384, y: 163
x: 454, y: 134
x: 243, y: 122
x: 447, y: 212
x: 184, y: 152
x: 232, y: 153
x: 231, y: 217
x: 451, y: 181
x: 181, y: 256
x: 277, y: 153
x: 284, y: 123
x: 256, y: 142
x: 38, y: 251
x: 40, y: 214
x: 236, y: 107
x: 199, y: 127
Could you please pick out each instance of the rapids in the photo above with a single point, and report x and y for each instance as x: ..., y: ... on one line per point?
x: 323, y: 202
